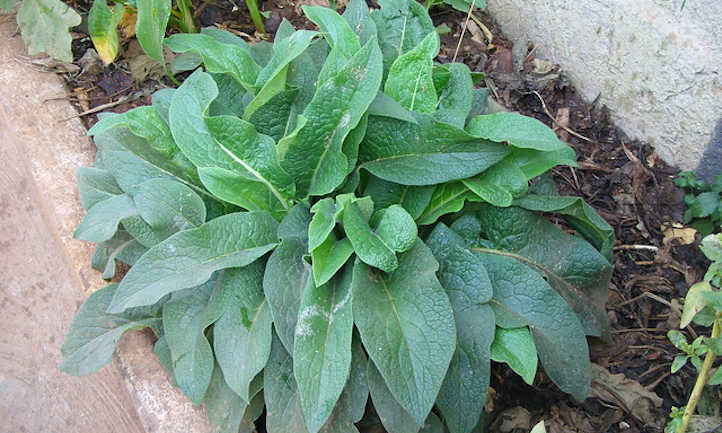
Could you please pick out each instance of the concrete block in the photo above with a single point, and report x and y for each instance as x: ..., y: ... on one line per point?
x: 45, y: 275
x: 655, y: 66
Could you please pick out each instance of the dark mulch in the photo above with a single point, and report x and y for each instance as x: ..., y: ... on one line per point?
x: 621, y: 178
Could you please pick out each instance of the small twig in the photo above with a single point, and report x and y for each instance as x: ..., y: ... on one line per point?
x: 487, y: 33
x: 636, y: 247
x: 621, y: 331
x: 463, y: 31
x: 126, y: 98
x: 564, y: 127
x: 659, y: 380
x: 647, y: 295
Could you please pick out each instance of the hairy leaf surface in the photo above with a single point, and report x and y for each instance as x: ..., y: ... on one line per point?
x: 407, y: 324
x: 188, y: 258
x: 322, y: 347
x: 94, y: 333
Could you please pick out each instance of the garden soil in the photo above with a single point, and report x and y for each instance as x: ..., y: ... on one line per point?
x: 656, y: 258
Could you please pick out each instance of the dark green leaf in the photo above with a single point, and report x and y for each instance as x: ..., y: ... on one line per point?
x: 409, y: 81
x: 426, y: 153
x: 394, y: 418
x: 242, y: 335
x: 401, y: 25
x: 188, y: 258
x: 519, y: 131
x: 322, y: 347
x: 287, y: 274
x: 447, y: 198
x: 414, y: 199
x: 283, y: 405
x: 218, y: 57
x: 572, y: 266
x: 407, y: 325
x: 457, y: 97
x: 314, y: 158
x: 580, y: 216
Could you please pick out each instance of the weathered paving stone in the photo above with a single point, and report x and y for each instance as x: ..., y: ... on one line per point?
x: 45, y: 275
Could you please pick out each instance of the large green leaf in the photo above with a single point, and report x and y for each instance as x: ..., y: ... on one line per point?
x: 132, y: 160
x: 412, y: 198
x: 516, y: 348
x: 580, y: 215
x: 407, y: 323
x: 242, y: 335
x: 218, y: 57
x: 95, y: 185
x: 188, y: 258
x: 329, y: 257
x: 272, y: 78
x: 519, y: 131
x: 145, y: 122
x: 283, y: 404
x: 225, y: 409
x: 94, y: 333
x: 184, y: 324
x: 409, y: 81
x: 447, y: 198
x: 253, y: 153
x: 369, y: 247
x: 522, y: 297
x: 335, y: 29
x: 169, y: 207
x: 106, y: 253
x: 358, y: 17
x: 425, y: 153
x: 394, y: 417
x: 287, y: 274
x: 401, y: 24
x: 102, y: 220
x: 463, y: 276
x: 322, y: 347
x: 457, y: 97
x: 351, y: 406
x: 150, y: 26
x: 45, y: 24
x: 314, y: 158
x: 103, y: 29
x: 571, y: 265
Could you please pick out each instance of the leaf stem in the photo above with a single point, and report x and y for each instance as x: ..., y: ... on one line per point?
x: 256, y: 17
x: 701, y: 379
x: 187, y: 22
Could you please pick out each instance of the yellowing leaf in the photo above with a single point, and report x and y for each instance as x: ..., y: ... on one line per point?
x: 102, y: 26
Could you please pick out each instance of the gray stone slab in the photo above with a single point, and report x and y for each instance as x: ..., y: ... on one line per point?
x: 655, y: 65
x: 45, y: 275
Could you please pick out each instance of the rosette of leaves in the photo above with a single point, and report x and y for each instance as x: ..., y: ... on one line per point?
x: 330, y: 220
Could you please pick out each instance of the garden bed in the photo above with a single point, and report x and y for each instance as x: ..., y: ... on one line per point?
x: 623, y: 180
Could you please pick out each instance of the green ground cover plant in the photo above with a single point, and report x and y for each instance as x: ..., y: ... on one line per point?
x: 704, y: 202
x: 331, y: 220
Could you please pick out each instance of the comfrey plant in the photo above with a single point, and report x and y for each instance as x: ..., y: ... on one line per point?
x: 331, y: 217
